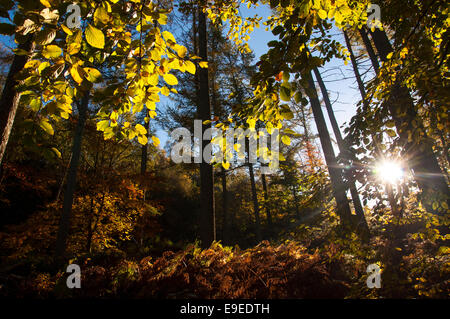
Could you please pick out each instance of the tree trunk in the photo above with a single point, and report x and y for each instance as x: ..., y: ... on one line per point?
x: 369, y: 49
x: 225, y: 221
x: 421, y: 158
x: 144, y: 154
x: 266, y: 202
x: 64, y: 224
x: 207, y: 223
x: 9, y: 100
x: 344, y: 150
x: 255, y: 203
x: 294, y: 194
x: 338, y: 187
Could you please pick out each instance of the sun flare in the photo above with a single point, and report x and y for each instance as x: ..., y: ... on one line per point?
x: 389, y: 171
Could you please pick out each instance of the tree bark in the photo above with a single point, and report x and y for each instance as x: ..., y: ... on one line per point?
x: 369, y: 49
x: 207, y: 223
x: 64, y: 223
x: 337, y: 184
x: 266, y: 202
x: 225, y: 221
x: 344, y: 150
x: 9, y: 100
x: 144, y: 154
x: 255, y: 203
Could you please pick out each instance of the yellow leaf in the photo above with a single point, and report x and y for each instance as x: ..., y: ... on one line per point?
x: 182, y: 51
x: 66, y: 29
x: 286, y: 140
x: 142, y: 139
x: 95, y: 37
x: 102, y: 125
x: 155, y: 140
x: 47, y: 127
x: 56, y: 151
x: 75, y: 72
x: 141, y: 129
x: 203, y: 64
x: 46, y: 3
x: 101, y: 15
x: 169, y: 37
x: 154, y: 79
x: 51, y: 51
x: 73, y: 48
x: 226, y: 165
x: 92, y: 75
x: 32, y: 64
x: 322, y: 14
x: 162, y: 19
x: 170, y: 79
x: 389, y: 56
x: 165, y: 91
x: 190, y: 67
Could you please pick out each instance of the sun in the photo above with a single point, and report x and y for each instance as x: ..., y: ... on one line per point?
x: 389, y: 171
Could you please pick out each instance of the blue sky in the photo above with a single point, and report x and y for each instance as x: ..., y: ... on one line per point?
x: 343, y: 92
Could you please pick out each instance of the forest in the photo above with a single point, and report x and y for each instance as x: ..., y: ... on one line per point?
x: 224, y: 149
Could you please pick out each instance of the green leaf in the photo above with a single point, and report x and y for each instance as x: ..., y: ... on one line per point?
x: 285, y: 94
x: 95, y: 37
x: 391, y: 133
x: 390, y: 124
x: 286, y: 112
x: 298, y: 97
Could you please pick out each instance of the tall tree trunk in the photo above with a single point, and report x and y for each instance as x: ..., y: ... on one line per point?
x: 144, y: 153
x: 421, y: 158
x: 337, y: 184
x: 266, y: 202
x: 144, y: 160
x: 207, y: 223
x: 225, y: 221
x: 294, y: 194
x: 344, y: 150
x: 9, y: 100
x: 64, y: 223
x: 369, y: 49
x: 255, y: 203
